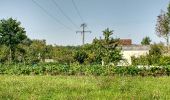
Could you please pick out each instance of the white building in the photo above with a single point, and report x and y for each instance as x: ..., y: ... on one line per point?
x: 133, y: 50
x: 129, y: 50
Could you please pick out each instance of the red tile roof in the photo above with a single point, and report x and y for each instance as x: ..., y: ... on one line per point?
x: 125, y: 42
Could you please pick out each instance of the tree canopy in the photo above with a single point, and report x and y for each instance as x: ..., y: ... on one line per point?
x: 107, y: 48
x: 146, y: 41
x: 11, y: 34
x: 163, y: 25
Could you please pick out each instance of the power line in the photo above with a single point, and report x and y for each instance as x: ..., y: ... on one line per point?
x: 58, y: 21
x: 75, y: 6
x: 64, y: 13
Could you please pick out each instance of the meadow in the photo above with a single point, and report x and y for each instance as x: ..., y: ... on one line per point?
x: 13, y: 87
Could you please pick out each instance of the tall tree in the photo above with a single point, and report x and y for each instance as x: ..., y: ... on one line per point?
x: 146, y: 41
x: 37, y: 51
x: 107, y: 33
x: 106, y: 48
x: 163, y: 25
x: 11, y: 34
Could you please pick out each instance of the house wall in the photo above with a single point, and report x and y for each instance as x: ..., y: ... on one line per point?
x: 129, y: 53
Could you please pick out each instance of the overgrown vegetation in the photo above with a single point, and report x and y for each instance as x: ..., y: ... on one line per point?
x: 153, y: 58
x: 16, y: 47
x: 83, y: 87
x: 77, y: 69
x: 20, y: 55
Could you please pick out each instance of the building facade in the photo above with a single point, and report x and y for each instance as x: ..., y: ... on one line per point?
x: 129, y: 50
x: 133, y: 50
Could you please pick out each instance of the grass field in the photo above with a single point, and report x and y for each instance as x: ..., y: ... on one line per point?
x: 83, y: 87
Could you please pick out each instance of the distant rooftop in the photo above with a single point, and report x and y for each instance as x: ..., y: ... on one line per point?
x: 125, y: 42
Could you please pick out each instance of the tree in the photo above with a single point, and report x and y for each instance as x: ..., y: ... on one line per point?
x: 11, y: 34
x: 36, y: 51
x: 153, y: 58
x: 155, y: 54
x: 80, y: 56
x: 49, y: 52
x: 107, y: 33
x: 64, y: 54
x: 106, y: 49
x: 3, y: 53
x: 146, y: 41
x: 163, y: 25
x: 22, y: 51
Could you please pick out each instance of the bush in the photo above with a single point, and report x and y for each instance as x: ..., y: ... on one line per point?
x: 153, y: 58
x: 77, y: 69
x: 165, y: 60
x: 80, y: 56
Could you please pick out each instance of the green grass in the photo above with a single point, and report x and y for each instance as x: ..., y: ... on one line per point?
x: 84, y: 87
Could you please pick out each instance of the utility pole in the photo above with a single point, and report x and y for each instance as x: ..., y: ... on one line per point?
x: 83, y: 32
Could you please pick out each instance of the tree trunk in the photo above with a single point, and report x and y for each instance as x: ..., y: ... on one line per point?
x: 167, y: 43
x: 10, y: 55
x: 167, y: 40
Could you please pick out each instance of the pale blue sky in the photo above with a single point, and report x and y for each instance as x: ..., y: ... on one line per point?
x: 133, y: 19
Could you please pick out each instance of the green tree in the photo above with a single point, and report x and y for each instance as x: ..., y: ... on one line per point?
x: 163, y: 25
x: 49, y: 51
x: 36, y: 51
x: 153, y: 58
x: 146, y: 41
x: 107, y: 33
x: 3, y: 53
x: 80, y: 56
x: 154, y: 54
x: 106, y: 49
x: 11, y: 34
x: 22, y: 51
x: 64, y: 54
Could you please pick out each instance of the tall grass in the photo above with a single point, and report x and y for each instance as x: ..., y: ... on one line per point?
x: 84, y: 87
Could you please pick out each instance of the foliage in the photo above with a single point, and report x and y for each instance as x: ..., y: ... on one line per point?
x: 162, y: 26
x: 11, y: 34
x: 64, y: 54
x: 23, y: 50
x: 107, y: 49
x: 155, y: 50
x: 79, y: 69
x: 3, y: 53
x: 165, y: 60
x: 80, y: 56
x: 107, y: 33
x: 146, y: 41
x: 49, y: 50
x: 142, y: 60
x: 83, y: 87
x: 155, y: 54
x: 37, y: 51
x: 153, y: 58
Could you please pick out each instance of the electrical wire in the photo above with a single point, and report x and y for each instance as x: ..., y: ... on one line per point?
x: 75, y: 6
x: 49, y: 14
x: 65, y: 15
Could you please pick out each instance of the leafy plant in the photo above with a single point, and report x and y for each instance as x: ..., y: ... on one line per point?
x: 80, y: 56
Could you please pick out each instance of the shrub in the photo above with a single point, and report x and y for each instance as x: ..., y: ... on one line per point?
x: 165, y: 60
x: 77, y: 69
x: 80, y: 56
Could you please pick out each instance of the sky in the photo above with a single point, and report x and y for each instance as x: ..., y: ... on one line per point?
x: 130, y: 19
